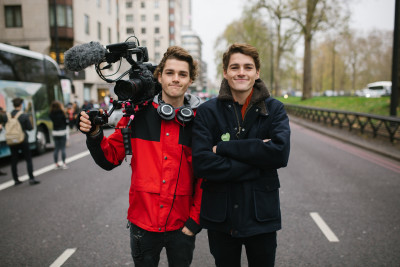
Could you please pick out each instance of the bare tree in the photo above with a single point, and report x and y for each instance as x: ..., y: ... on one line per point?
x: 286, y: 34
x: 313, y: 16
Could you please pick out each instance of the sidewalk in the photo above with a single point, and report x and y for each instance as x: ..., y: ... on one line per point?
x: 381, y: 147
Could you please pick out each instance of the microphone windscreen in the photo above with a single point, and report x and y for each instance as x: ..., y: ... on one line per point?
x: 82, y: 56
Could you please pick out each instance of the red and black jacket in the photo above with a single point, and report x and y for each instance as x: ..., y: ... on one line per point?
x: 164, y: 194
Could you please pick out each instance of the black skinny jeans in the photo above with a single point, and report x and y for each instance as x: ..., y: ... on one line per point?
x: 227, y: 250
x: 146, y: 247
x: 24, y: 147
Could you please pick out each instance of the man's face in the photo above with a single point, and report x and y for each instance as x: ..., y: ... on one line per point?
x: 241, y: 72
x: 175, y: 79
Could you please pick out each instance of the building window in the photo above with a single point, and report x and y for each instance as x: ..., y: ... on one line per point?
x: 142, y: 4
x: 87, y: 26
x: 98, y: 3
x: 171, y: 17
x: 156, y: 30
x: 99, y: 30
x: 171, y: 30
x: 144, y: 43
x: 156, y: 17
x: 143, y: 17
x: 143, y: 31
x: 157, y: 56
x: 171, y: 4
x: 109, y: 6
x: 109, y: 35
x: 64, y: 16
x: 156, y: 4
x: 129, y: 18
x: 128, y: 4
x: 13, y: 16
x: 130, y: 30
x: 172, y: 42
x: 156, y: 43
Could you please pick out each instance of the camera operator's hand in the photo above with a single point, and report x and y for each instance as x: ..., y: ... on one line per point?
x: 85, y: 125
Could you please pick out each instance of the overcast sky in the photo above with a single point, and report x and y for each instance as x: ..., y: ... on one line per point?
x: 210, y: 18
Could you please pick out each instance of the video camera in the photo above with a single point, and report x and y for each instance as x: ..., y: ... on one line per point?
x: 133, y: 93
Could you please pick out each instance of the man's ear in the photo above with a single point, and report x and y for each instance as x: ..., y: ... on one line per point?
x: 159, y: 78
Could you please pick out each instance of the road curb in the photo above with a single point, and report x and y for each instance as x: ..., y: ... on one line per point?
x: 383, y: 148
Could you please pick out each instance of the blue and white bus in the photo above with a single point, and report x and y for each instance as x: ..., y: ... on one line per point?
x: 35, y: 78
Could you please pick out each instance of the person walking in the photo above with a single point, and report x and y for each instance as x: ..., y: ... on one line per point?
x: 26, y: 125
x: 1, y: 129
x: 240, y: 139
x: 164, y: 197
x: 57, y: 116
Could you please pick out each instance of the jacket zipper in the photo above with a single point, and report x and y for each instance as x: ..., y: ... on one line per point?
x: 238, y: 122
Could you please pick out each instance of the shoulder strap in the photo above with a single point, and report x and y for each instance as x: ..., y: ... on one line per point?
x: 18, y: 114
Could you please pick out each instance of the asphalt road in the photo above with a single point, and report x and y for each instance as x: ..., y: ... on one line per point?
x: 340, y: 207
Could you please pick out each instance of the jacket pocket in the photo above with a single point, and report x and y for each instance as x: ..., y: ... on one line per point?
x: 266, y: 201
x: 214, y: 202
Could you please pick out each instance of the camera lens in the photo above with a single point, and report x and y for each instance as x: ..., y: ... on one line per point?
x: 127, y: 89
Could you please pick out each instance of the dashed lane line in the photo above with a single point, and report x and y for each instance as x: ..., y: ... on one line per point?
x: 63, y: 257
x: 45, y: 169
x: 324, y: 227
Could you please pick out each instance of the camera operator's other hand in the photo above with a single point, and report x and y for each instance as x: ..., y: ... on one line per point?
x: 85, y: 125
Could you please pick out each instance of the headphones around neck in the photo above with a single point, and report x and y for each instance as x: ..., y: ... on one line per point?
x: 167, y: 112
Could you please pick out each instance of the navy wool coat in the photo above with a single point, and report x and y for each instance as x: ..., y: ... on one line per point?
x: 241, y: 184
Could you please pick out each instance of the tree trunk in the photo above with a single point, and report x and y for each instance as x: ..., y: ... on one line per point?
x: 307, y: 86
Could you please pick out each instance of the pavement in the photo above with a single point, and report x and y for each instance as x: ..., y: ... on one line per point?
x: 381, y: 146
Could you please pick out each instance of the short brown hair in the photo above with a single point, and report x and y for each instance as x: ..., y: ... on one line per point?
x: 176, y: 52
x: 17, y: 102
x: 245, y: 49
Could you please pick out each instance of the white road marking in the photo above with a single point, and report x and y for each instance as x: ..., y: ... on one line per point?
x: 43, y: 170
x: 324, y: 227
x: 63, y: 257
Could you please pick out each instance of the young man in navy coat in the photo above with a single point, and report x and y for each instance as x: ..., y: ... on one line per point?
x: 240, y: 139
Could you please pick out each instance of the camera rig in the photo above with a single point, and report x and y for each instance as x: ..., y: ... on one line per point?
x: 133, y: 93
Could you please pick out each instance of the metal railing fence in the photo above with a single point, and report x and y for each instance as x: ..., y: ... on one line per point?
x: 377, y: 126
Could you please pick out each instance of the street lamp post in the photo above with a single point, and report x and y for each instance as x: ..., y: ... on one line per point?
x: 394, y: 98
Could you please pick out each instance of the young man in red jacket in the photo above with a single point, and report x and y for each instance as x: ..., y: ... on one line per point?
x: 164, y: 197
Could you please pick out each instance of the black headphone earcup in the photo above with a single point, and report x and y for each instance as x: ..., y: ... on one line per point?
x: 166, y: 111
x: 185, y: 115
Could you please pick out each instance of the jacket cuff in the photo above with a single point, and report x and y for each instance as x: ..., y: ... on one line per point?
x: 193, y: 226
x: 96, y: 138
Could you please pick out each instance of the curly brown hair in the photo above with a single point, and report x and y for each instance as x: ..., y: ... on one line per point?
x: 245, y: 49
x: 176, y: 52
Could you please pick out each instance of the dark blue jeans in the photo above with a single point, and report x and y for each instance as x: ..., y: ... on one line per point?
x: 24, y: 147
x: 227, y: 250
x: 59, y: 145
x: 146, y: 247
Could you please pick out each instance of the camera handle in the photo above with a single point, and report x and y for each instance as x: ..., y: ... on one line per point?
x: 126, y: 136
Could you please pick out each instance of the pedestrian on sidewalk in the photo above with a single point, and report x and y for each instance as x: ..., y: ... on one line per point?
x: 26, y: 125
x: 1, y: 129
x: 240, y: 139
x: 57, y: 116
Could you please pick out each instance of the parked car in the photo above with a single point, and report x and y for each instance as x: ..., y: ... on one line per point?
x: 378, y: 89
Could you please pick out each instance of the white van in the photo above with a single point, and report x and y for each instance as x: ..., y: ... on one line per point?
x: 378, y: 89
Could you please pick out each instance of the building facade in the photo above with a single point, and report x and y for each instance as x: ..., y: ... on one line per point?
x: 57, y: 25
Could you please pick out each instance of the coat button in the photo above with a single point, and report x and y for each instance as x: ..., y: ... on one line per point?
x: 236, y: 206
x: 163, y: 181
x: 165, y: 157
x: 167, y: 134
x: 243, y: 129
x: 159, y: 229
x: 161, y: 206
